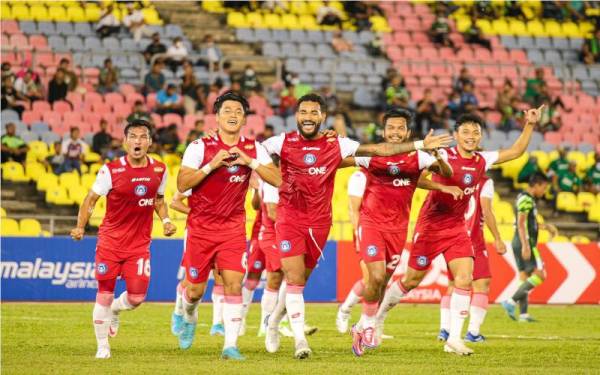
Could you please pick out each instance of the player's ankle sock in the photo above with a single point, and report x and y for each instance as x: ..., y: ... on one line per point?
x: 524, y: 305
x: 267, y: 303
x: 232, y: 319
x: 477, y: 312
x: 392, y: 297
x: 248, y: 294
x: 101, y: 317
x: 445, y: 313
x: 529, y: 284
x: 369, y: 311
x: 459, y: 310
x: 190, y: 309
x: 122, y: 304
x: 354, y: 296
x: 178, y: 300
x: 279, y: 311
x: 294, y: 303
x: 218, y: 298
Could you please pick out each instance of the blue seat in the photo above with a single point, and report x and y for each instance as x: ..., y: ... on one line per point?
x: 40, y: 127
x: 92, y: 43
x: 289, y: 50
x: 294, y: 65
x: 543, y: 43
x: 306, y: 49
x: 9, y: 115
x: 158, y: 29
x: 536, y: 56
x: 290, y: 123
x: 173, y: 31
x: 346, y: 66
x: 30, y: 137
x: 381, y: 66
x: 28, y: 27
x: 75, y: 43
x: 245, y: 35
x: 324, y: 50
x: 576, y: 43
x: 64, y: 28
x: 299, y: 36
x: 120, y: 61
x: 98, y: 59
x: 561, y: 43
x: 277, y: 123
x: 136, y: 60
x: 351, y: 36
x: 280, y: 35
x: 271, y: 49
x: 312, y: 65
x: 314, y: 36
x: 129, y: 73
x: 570, y: 55
x: 111, y: 44
x: 365, y: 37
x: 526, y: 42
x: 547, y: 147
x: 553, y: 57
x: 374, y: 80
x: 357, y: 79
x: 509, y: 41
x: 48, y: 28
x: 580, y: 72
x: 364, y: 98
x: 83, y: 29
x: 129, y: 45
x: 50, y: 137
x: 585, y: 147
x: 306, y: 77
x: 322, y: 78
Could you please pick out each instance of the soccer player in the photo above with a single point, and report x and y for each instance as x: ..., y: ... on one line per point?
x: 441, y: 227
x: 217, y: 291
x: 218, y: 172
x: 134, y: 186
x: 478, y: 212
x: 524, y: 244
x: 309, y: 161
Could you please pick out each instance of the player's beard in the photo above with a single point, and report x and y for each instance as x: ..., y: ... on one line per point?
x: 312, y: 134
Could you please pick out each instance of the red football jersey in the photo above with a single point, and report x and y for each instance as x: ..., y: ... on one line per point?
x: 474, y: 213
x: 130, y: 194
x: 308, y: 170
x: 391, y: 183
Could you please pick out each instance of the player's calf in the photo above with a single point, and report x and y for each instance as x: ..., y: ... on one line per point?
x: 102, y: 315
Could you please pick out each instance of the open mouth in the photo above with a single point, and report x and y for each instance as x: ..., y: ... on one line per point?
x: 232, y: 122
x: 308, y: 126
x: 137, y: 149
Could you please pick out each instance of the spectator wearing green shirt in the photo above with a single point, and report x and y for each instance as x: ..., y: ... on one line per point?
x: 592, y: 177
x: 560, y: 164
x: 568, y: 180
x: 529, y: 169
x: 13, y: 147
x: 396, y: 94
x: 533, y: 87
x: 590, y: 52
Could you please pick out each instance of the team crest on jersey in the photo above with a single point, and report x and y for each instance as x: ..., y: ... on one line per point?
x: 233, y: 169
x: 372, y: 250
x: 468, y: 179
x: 285, y: 246
x: 257, y: 265
x: 102, y: 268
x: 422, y: 260
x: 193, y: 272
x: 393, y: 170
x: 310, y: 159
x: 141, y: 190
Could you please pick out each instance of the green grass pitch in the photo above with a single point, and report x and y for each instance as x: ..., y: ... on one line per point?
x: 58, y: 338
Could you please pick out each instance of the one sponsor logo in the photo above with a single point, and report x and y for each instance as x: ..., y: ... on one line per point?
x: 401, y: 182
x: 102, y: 268
x: 393, y: 170
x: 145, y: 202
x: 140, y: 179
x: 140, y: 190
x: 116, y: 170
x: 311, y: 148
x: 313, y: 171
x: 468, y: 179
x: 372, y: 250
x: 310, y: 159
x: 71, y: 275
x: 193, y: 272
x: 470, y: 190
x: 257, y: 265
x: 159, y: 169
x: 422, y: 260
x: 249, y: 147
x: 237, y: 179
x: 285, y: 246
x: 233, y: 169
x: 468, y: 168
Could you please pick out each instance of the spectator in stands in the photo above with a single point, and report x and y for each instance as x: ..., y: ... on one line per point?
x: 154, y: 48
x: 396, y: 94
x: 7, y: 71
x: 13, y: 147
x: 70, y: 76
x: 529, y: 169
x: 176, y: 54
x: 463, y: 78
x: 340, y: 44
x: 568, y: 180
x: 453, y: 108
x: 191, y: 137
x: 134, y: 22
x: 169, y: 101
x: 331, y: 100
x: 439, y: 32
x: 155, y: 79
x: 258, y: 103
x: 513, y: 9
x: 211, y: 52
x: 268, y: 133
x: 249, y: 80
x: 376, y: 46
x: 287, y: 101
x: 199, y: 128
x: 28, y: 88
x: 108, y: 81
x: 115, y: 150
x: 505, y: 104
x: 73, y: 149
x: 468, y: 100
x: 533, y: 87
x: 168, y: 138
x: 592, y: 176
x: 329, y: 16
x: 550, y: 119
x: 342, y: 123
x: 101, y: 140
x: 590, y: 51
x: 56, y: 160
x: 213, y: 94
x: 474, y: 35
x: 224, y: 75
x: 560, y: 164
x: 139, y: 113
x: 552, y: 9
x: 359, y: 12
x: 108, y: 24
x: 10, y: 97
x: 26, y: 66
x: 427, y: 116
x: 58, y: 87
x: 194, y: 99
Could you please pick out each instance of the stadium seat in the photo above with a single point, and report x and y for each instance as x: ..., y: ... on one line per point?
x: 13, y: 171
x: 2, y: 212
x: 46, y: 181
x: 10, y: 227
x: 33, y: 170
x: 585, y: 200
x: 58, y: 195
x: 580, y: 240
x: 30, y: 227
x: 566, y: 201
x: 560, y: 238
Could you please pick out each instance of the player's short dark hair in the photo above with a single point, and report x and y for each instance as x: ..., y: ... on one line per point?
x: 538, y: 178
x: 398, y: 113
x: 230, y: 95
x: 468, y: 118
x: 312, y: 97
x: 139, y: 123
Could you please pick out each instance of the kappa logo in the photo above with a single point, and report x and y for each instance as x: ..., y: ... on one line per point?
x: 422, y: 260
x: 372, y: 250
x: 193, y: 272
x: 140, y: 190
x: 310, y: 159
x: 467, y: 179
x: 102, y: 268
x: 393, y: 170
x: 285, y: 246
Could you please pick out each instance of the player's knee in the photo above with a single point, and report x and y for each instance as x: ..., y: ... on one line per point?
x: 463, y: 280
x: 104, y: 298
x: 136, y: 299
x: 377, y: 279
x: 410, y: 283
x: 195, y: 292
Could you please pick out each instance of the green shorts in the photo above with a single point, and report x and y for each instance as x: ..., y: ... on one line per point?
x: 528, y: 266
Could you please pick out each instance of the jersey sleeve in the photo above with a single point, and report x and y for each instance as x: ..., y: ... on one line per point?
x: 163, y: 184
x: 490, y: 158
x: 262, y: 155
x: 348, y: 146
x: 103, y: 182
x: 187, y: 193
x: 362, y: 161
x: 357, y: 184
x: 270, y: 194
x: 524, y: 204
x: 274, y: 144
x: 193, y: 155
x: 425, y: 160
x: 487, y: 190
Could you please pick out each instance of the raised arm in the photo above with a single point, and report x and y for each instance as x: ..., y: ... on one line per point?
x: 532, y: 116
x: 388, y: 149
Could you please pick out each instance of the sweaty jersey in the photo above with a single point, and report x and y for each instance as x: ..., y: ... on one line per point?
x: 217, y: 203
x: 525, y: 204
x: 391, y: 183
x: 441, y: 210
x: 474, y: 213
x: 308, y: 170
x: 130, y: 193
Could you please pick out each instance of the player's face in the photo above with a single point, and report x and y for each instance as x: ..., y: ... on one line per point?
x: 231, y: 117
x: 396, y: 130
x: 309, y: 118
x: 137, y: 142
x: 468, y: 136
x: 539, y: 189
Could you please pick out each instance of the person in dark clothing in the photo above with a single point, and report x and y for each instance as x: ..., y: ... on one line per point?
x: 168, y: 138
x: 474, y: 35
x: 58, y: 88
x: 154, y: 48
x: 10, y: 96
x: 101, y: 140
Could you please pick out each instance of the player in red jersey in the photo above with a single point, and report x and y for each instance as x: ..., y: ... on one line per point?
x: 134, y: 186
x: 441, y: 227
x: 309, y: 161
x: 478, y: 212
x: 218, y: 172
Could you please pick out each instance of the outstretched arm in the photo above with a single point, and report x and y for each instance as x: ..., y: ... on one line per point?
x: 532, y: 116
x: 388, y: 149
x: 427, y: 184
x: 440, y: 166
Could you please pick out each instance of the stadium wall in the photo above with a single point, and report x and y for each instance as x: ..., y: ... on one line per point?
x: 58, y: 269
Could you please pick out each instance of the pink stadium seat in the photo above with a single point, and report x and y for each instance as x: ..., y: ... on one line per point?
x: 394, y: 53
x: 76, y: 99
x: 585, y: 100
x: 210, y: 122
x: 38, y: 42
x: 172, y: 118
x: 419, y: 69
x: 151, y: 101
x: 113, y: 98
x: 491, y: 71
x: 483, y: 55
x: 447, y: 54
x: 427, y: 81
x: 591, y: 138
x: 157, y: 119
x: 101, y: 108
x: 189, y: 121
x: 52, y: 118
x: 134, y: 97
x: 73, y: 117
x: 500, y: 55
x: 396, y: 23
x: 10, y: 57
x: 41, y: 106
x: 402, y: 38
x: 421, y: 9
x: 420, y: 38
x: 10, y: 27
x: 388, y: 39
x: 554, y: 138
x: 121, y: 109
x: 5, y: 40
x: 429, y: 53
x: 256, y: 123
x: 126, y: 89
x: 412, y: 24
x: 61, y: 107
x: 482, y: 83
x: 91, y: 73
x: 411, y: 53
x: 444, y: 82
x: 93, y: 97
x: 573, y: 138
x: 93, y: 119
x: 439, y: 70
x: 518, y: 56
x: 465, y: 54
x: 20, y: 41
x: 411, y: 81
x: 30, y: 117
x: 509, y: 71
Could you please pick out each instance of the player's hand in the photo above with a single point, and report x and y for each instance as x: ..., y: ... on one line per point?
x: 436, y: 141
x: 241, y: 159
x: 169, y: 229
x: 552, y: 229
x: 220, y: 159
x: 500, y: 247
x: 329, y: 133
x: 455, y: 191
x: 526, y: 253
x: 77, y: 233
x: 532, y: 116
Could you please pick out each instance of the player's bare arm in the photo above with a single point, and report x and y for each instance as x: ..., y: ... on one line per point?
x: 440, y: 166
x: 490, y: 221
x: 522, y: 230
x: 178, y: 205
x: 272, y: 211
x: 550, y: 228
x: 256, y: 200
x: 532, y: 116
x: 188, y: 178
x: 160, y: 207
x: 427, y: 184
x: 269, y: 173
x: 85, y: 211
x: 348, y: 162
x: 388, y: 149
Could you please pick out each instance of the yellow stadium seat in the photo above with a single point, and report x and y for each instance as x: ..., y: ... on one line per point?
x: 560, y: 238
x: 580, y: 240
x: 39, y: 150
x: 2, y: 212
x: 542, y: 158
x: 504, y: 213
x: 594, y: 213
x: 6, y: 12
x: 579, y: 158
x: 94, y: 168
x: 20, y: 12
x: 585, y: 200
x: 586, y: 29
x: 235, y: 19
x: 506, y: 232
x: 92, y: 157
x: 512, y: 168
x: 30, y: 227
x: 299, y: 8
x: 151, y: 16
x: 69, y: 179
x: 308, y: 22
x: 39, y: 12
x: 10, y: 227
x: 14, y: 171
x: 531, y: 9
x: 380, y: 24
x: 92, y: 12
x: 46, y: 181
x: 76, y: 14
x: 58, y: 195
x: 567, y: 201
x: 87, y: 180
x: 77, y: 193
x: 273, y: 21
x: 571, y: 30
x: 462, y: 23
x: 58, y: 14
x: 543, y: 236
x: 536, y: 28
x: 518, y: 27
x: 500, y: 26
x: 553, y: 28
x: 33, y: 170
x: 290, y: 21
x: 255, y: 19
x: 213, y: 6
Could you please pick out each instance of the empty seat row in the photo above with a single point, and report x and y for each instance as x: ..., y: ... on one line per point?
x: 301, y: 36
x: 510, y: 41
x: 93, y: 43
x: 327, y: 66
